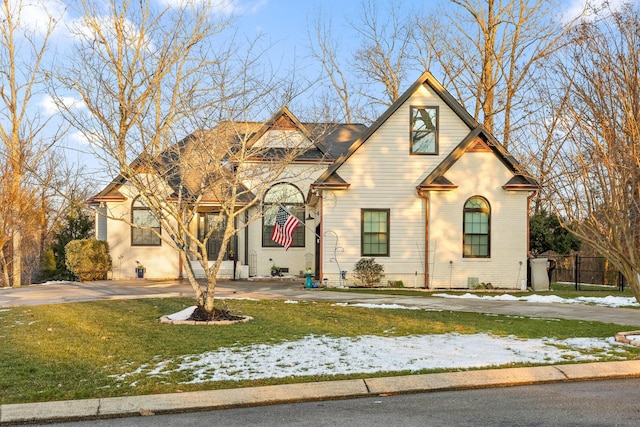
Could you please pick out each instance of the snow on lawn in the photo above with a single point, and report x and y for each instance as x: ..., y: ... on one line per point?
x: 608, y: 301
x: 320, y: 355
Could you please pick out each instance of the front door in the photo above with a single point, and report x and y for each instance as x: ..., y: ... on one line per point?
x: 207, y: 221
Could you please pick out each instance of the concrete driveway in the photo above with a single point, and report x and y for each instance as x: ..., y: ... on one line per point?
x: 132, y: 289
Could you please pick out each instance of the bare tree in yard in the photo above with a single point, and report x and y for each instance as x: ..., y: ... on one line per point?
x: 381, y: 60
x: 22, y: 55
x: 489, y: 52
x: 146, y: 77
x: 599, y: 185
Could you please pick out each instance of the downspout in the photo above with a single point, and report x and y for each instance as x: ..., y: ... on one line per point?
x: 180, y: 263
x: 529, y: 199
x: 320, y: 245
x: 425, y: 196
x: 246, y: 238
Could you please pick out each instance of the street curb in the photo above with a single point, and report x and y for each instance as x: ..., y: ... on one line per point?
x: 326, y: 390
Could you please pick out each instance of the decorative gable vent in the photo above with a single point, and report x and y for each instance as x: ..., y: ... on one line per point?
x: 478, y: 146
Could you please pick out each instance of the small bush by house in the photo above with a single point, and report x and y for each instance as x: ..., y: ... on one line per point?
x: 88, y: 259
x: 368, y: 272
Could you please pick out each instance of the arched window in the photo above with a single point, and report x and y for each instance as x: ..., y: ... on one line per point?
x: 477, y: 228
x: 292, y: 199
x: 142, y: 216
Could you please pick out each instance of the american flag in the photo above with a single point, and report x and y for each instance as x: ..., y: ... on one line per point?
x: 283, y: 228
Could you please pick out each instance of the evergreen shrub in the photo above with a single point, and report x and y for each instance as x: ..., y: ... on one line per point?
x: 88, y: 259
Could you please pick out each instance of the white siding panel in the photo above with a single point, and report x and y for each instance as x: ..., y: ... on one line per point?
x: 161, y: 262
x: 383, y: 174
x: 478, y: 174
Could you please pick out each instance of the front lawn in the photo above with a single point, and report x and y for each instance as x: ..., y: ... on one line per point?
x: 77, y: 351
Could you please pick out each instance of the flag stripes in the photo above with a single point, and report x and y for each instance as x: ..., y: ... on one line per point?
x: 283, y: 228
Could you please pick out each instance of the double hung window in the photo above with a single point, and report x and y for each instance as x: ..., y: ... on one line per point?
x: 375, y: 232
x: 145, y: 229
x: 477, y: 228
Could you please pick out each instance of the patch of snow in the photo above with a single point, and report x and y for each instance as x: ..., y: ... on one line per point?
x: 53, y: 282
x: 367, y: 305
x: 608, y: 301
x: 633, y: 337
x: 290, y: 301
x: 182, y: 315
x: 318, y: 355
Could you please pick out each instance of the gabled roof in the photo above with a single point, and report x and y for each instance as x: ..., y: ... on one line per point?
x: 327, y: 141
x: 436, y: 180
x: 110, y: 193
x: 282, y: 119
x: 425, y: 79
x: 479, y: 139
x: 334, y: 181
x: 334, y: 139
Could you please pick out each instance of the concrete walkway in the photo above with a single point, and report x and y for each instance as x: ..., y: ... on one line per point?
x: 147, y: 405
x: 131, y: 289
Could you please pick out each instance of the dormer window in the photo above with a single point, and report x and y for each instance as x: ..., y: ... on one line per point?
x: 145, y: 227
x: 424, y: 130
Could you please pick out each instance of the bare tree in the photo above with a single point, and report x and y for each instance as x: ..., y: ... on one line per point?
x: 544, y: 141
x: 489, y: 52
x: 324, y: 49
x: 378, y: 65
x: 145, y: 77
x: 22, y: 55
x: 599, y: 184
x: 384, y: 50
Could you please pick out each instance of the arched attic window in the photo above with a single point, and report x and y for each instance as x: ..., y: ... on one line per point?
x: 476, y: 228
x: 292, y: 199
x: 142, y: 216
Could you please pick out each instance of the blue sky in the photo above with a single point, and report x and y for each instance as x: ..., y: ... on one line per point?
x: 284, y: 25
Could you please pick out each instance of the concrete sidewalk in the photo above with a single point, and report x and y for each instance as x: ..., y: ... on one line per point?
x: 268, y: 395
x: 218, y: 399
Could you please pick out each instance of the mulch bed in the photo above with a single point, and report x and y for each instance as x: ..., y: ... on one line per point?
x: 200, y: 315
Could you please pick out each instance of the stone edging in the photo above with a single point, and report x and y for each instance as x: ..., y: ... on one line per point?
x: 166, y: 319
x: 622, y: 337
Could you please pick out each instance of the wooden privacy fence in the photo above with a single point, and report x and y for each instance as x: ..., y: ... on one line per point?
x: 585, y: 270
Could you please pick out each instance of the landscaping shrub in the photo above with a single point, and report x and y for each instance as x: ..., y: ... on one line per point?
x: 88, y: 259
x: 368, y: 272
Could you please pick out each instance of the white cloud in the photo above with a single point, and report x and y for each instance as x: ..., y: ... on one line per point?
x: 575, y: 8
x: 87, y: 29
x: 221, y: 7
x: 78, y: 138
x: 49, y: 106
x: 35, y: 15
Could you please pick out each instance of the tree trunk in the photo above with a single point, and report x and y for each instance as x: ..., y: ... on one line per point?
x: 17, y: 260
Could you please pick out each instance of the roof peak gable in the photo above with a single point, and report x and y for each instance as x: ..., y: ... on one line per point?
x: 425, y: 79
x: 480, y: 140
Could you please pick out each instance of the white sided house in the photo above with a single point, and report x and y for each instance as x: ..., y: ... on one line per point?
x: 426, y: 191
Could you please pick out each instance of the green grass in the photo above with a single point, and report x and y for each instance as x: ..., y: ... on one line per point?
x: 72, y: 351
